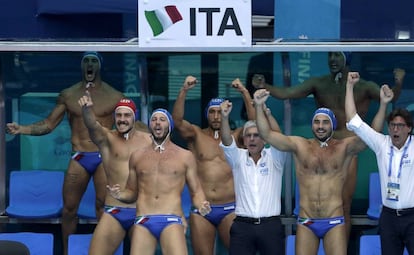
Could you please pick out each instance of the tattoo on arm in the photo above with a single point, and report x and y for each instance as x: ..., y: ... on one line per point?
x: 39, y: 128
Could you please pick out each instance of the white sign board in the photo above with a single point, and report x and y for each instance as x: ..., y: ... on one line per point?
x: 194, y: 23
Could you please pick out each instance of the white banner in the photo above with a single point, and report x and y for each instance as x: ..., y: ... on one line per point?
x: 194, y: 23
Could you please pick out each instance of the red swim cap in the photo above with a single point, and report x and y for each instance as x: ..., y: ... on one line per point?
x: 126, y: 103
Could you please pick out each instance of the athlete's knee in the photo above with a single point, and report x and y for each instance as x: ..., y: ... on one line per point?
x: 70, y: 208
x: 68, y: 214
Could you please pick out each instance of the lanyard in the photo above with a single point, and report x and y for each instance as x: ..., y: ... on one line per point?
x: 401, y: 161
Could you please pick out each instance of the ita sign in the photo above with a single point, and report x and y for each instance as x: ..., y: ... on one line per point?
x: 194, y: 23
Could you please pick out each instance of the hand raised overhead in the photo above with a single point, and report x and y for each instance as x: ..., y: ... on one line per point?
x: 226, y: 107
x: 85, y: 100
x: 353, y: 78
x: 237, y: 84
x: 260, y: 96
x: 386, y: 94
x: 189, y: 82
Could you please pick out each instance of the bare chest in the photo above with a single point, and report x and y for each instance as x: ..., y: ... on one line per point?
x: 321, y: 161
x: 207, y: 148
x: 164, y: 164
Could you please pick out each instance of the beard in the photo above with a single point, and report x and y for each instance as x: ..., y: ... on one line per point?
x: 322, y: 139
x: 215, y: 126
x: 159, y: 139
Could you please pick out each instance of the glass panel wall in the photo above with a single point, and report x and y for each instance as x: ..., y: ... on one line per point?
x: 32, y: 80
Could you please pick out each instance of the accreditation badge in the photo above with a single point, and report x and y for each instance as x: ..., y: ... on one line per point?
x: 393, y: 191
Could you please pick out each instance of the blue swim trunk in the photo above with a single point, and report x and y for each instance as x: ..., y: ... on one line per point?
x: 218, y: 212
x: 124, y: 215
x: 88, y: 160
x: 321, y: 226
x: 157, y: 223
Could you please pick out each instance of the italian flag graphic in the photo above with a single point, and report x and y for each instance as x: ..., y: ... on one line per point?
x: 159, y: 20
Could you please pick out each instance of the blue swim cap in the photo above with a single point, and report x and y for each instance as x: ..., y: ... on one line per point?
x: 347, y: 57
x: 326, y: 112
x: 93, y: 54
x: 213, y: 103
x: 167, y: 114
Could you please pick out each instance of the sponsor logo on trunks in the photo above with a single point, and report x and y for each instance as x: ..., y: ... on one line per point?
x: 334, y: 222
x: 230, y: 207
x: 141, y: 220
x: 114, y: 210
x: 77, y: 156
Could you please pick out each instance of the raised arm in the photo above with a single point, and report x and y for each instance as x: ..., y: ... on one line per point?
x: 96, y: 131
x: 276, y: 139
x: 350, y: 108
x: 42, y: 127
x: 386, y: 96
x: 247, y: 99
x: 272, y: 121
x: 373, y: 90
x: 226, y: 137
x: 399, y: 75
x: 298, y: 91
x: 184, y: 127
